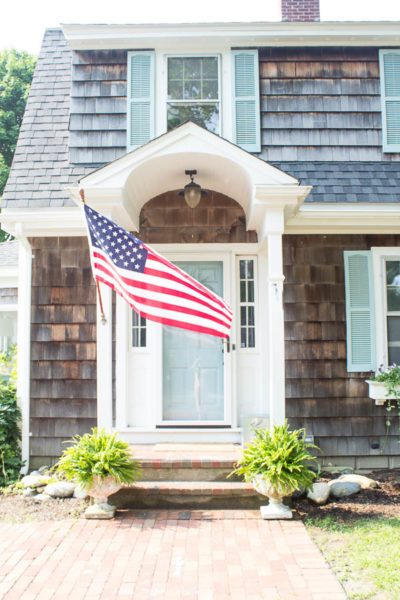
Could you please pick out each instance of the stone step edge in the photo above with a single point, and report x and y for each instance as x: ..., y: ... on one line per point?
x: 193, y: 488
x: 173, y: 463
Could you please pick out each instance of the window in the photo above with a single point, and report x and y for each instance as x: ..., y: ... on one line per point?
x: 392, y: 272
x: 247, y: 293
x: 389, y: 63
x: 192, y: 88
x: 372, y: 279
x: 138, y: 330
x: 193, y: 91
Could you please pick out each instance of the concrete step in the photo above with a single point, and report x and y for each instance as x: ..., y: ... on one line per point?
x: 188, y: 494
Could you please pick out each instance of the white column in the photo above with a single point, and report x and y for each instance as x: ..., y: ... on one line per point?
x: 121, y: 358
x: 104, y: 359
x: 272, y: 230
x: 24, y: 338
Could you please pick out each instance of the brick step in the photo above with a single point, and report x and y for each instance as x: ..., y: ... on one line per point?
x: 188, y: 494
x: 187, y: 462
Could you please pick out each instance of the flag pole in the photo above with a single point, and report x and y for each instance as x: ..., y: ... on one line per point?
x: 103, y: 316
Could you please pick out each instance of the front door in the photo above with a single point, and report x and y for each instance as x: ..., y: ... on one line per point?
x: 193, y: 382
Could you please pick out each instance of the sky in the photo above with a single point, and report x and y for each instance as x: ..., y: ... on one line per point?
x: 24, y: 21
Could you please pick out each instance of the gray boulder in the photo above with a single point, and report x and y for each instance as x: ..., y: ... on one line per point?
x: 343, y: 489
x: 60, y: 489
x: 319, y: 492
x: 365, y: 482
x: 337, y: 469
x: 28, y: 492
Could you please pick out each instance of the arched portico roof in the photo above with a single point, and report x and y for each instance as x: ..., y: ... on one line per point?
x: 122, y: 187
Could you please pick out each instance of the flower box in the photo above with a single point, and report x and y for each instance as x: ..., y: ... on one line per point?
x: 378, y: 392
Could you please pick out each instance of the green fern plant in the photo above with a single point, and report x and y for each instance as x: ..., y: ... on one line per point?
x: 280, y: 456
x: 99, y: 454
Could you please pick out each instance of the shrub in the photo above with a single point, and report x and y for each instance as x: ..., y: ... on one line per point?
x: 98, y: 454
x: 280, y: 456
x: 10, y: 434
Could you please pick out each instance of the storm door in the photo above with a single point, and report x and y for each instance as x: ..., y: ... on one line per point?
x: 193, y: 364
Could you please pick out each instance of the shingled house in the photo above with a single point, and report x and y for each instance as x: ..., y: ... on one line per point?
x: 292, y: 128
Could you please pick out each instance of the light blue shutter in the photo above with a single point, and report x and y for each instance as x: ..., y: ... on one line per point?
x: 140, y: 98
x: 359, y: 311
x: 389, y: 61
x: 246, y: 100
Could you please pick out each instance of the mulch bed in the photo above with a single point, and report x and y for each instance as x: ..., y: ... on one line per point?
x: 378, y: 503
x: 382, y: 502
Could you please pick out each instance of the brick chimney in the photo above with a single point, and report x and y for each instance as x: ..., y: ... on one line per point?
x: 300, y: 10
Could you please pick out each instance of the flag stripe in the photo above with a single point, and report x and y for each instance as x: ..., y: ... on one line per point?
x: 143, y: 301
x: 191, y: 322
x: 151, y: 283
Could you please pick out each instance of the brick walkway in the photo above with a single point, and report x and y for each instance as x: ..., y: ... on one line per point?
x: 202, y: 555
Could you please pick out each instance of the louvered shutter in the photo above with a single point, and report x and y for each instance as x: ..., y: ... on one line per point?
x: 140, y: 98
x: 390, y: 97
x: 359, y: 311
x: 246, y: 100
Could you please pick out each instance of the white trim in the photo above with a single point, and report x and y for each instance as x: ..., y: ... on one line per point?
x: 333, y: 217
x: 104, y: 359
x: 192, y: 36
x: 139, y: 435
x: 8, y: 307
x: 122, y: 337
x: 379, y: 255
x: 312, y: 217
x: 24, y: 337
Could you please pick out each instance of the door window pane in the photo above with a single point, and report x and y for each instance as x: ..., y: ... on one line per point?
x: 393, y: 310
x: 138, y: 330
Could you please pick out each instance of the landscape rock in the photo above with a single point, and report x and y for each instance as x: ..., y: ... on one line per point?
x: 28, y: 492
x: 365, y: 482
x: 319, y: 492
x: 60, y: 489
x: 43, y: 469
x: 35, y: 481
x: 41, y: 497
x: 342, y: 489
x: 35, y: 473
x: 337, y: 469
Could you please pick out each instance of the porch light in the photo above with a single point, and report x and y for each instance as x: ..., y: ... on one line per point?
x: 192, y: 192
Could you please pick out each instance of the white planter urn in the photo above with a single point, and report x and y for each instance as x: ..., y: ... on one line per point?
x: 99, y: 491
x: 378, y: 392
x: 275, y: 509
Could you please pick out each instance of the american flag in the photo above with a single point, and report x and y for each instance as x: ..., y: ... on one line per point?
x: 154, y: 287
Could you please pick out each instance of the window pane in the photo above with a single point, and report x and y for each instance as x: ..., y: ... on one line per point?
x: 250, y: 291
x: 243, y: 317
x: 135, y: 338
x: 394, y: 355
x: 175, y: 68
x: 205, y: 115
x: 210, y: 67
x: 242, y: 268
x: 250, y: 269
x: 393, y: 325
x: 192, y: 68
x: 175, y: 89
x: 252, y: 337
x: 243, y: 341
x: 242, y: 291
x: 210, y: 89
x: 393, y: 284
x: 192, y: 90
x: 143, y: 338
x: 250, y: 319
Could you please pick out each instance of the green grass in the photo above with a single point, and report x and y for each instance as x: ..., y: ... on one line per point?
x: 365, y: 555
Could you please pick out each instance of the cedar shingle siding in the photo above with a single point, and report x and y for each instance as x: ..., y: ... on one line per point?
x: 63, y: 350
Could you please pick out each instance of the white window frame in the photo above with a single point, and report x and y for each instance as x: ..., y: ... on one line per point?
x: 386, y: 147
x: 379, y: 257
x: 224, y: 87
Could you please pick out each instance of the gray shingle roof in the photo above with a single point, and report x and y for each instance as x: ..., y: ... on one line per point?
x: 42, y: 170
x: 347, y: 181
x: 9, y: 254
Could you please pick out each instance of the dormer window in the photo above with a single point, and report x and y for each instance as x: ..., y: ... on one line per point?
x: 193, y: 91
